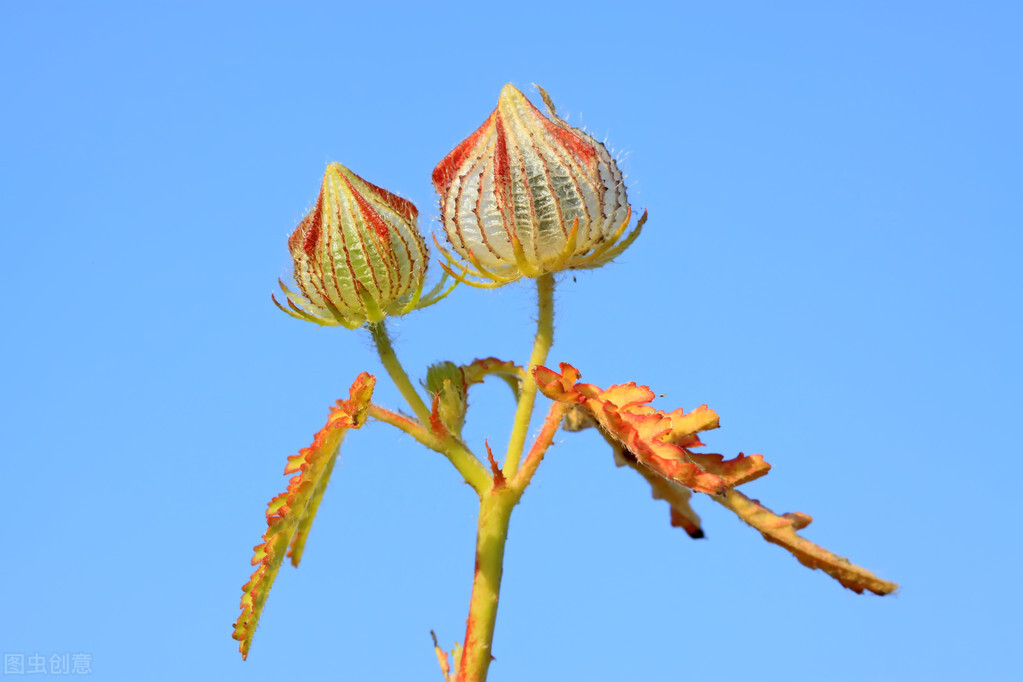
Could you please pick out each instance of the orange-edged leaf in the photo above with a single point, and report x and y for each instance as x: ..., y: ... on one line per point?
x: 297, y: 546
x: 675, y: 494
x: 656, y: 443
x: 623, y: 413
x: 560, y: 387
x: 685, y: 426
x: 642, y: 435
x: 781, y: 530
x: 476, y: 371
x: 290, y: 514
x: 733, y: 472
x: 347, y: 414
x: 625, y: 396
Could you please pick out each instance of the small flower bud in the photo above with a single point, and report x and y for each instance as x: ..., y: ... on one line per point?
x: 527, y: 195
x: 359, y: 255
x: 446, y: 382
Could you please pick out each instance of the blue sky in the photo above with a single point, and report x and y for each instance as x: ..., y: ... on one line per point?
x: 831, y: 262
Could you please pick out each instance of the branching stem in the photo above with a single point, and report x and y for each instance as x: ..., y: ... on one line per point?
x: 540, y: 445
x: 499, y: 492
x: 497, y: 503
x: 467, y: 464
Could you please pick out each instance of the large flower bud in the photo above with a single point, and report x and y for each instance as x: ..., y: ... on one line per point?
x: 525, y: 195
x: 359, y: 255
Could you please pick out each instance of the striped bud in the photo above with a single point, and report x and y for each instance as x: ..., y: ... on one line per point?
x: 526, y: 195
x: 359, y: 255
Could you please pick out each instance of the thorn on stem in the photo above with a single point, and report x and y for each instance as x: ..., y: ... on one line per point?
x: 436, y: 423
x: 442, y: 658
x: 498, y: 474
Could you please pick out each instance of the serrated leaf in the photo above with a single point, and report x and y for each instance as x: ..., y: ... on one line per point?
x: 623, y: 414
x: 781, y: 530
x: 290, y: 514
x: 733, y: 472
x: 479, y: 369
x: 676, y: 495
x: 656, y: 444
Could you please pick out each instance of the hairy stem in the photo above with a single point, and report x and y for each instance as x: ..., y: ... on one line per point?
x: 540, y: 445
x: 496, y: 504
x: 467, y: 464
x: 409, y: 426
x: 527, y: 398
x: 492, y: 534
x: 382, y: 340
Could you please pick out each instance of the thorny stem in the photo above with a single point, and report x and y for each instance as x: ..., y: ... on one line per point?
x: 542, y: 345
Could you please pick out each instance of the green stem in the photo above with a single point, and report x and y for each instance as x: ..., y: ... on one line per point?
x: 467, y: 464
x: 492, y: 534
x: 409, y: 426
x: 496, y: 504
x: 542, y: 346
x: 382, y: 340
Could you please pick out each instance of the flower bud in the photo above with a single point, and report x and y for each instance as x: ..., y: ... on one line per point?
x: 445, y: 381
x: 359, y: 255
x: 527, y: 195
